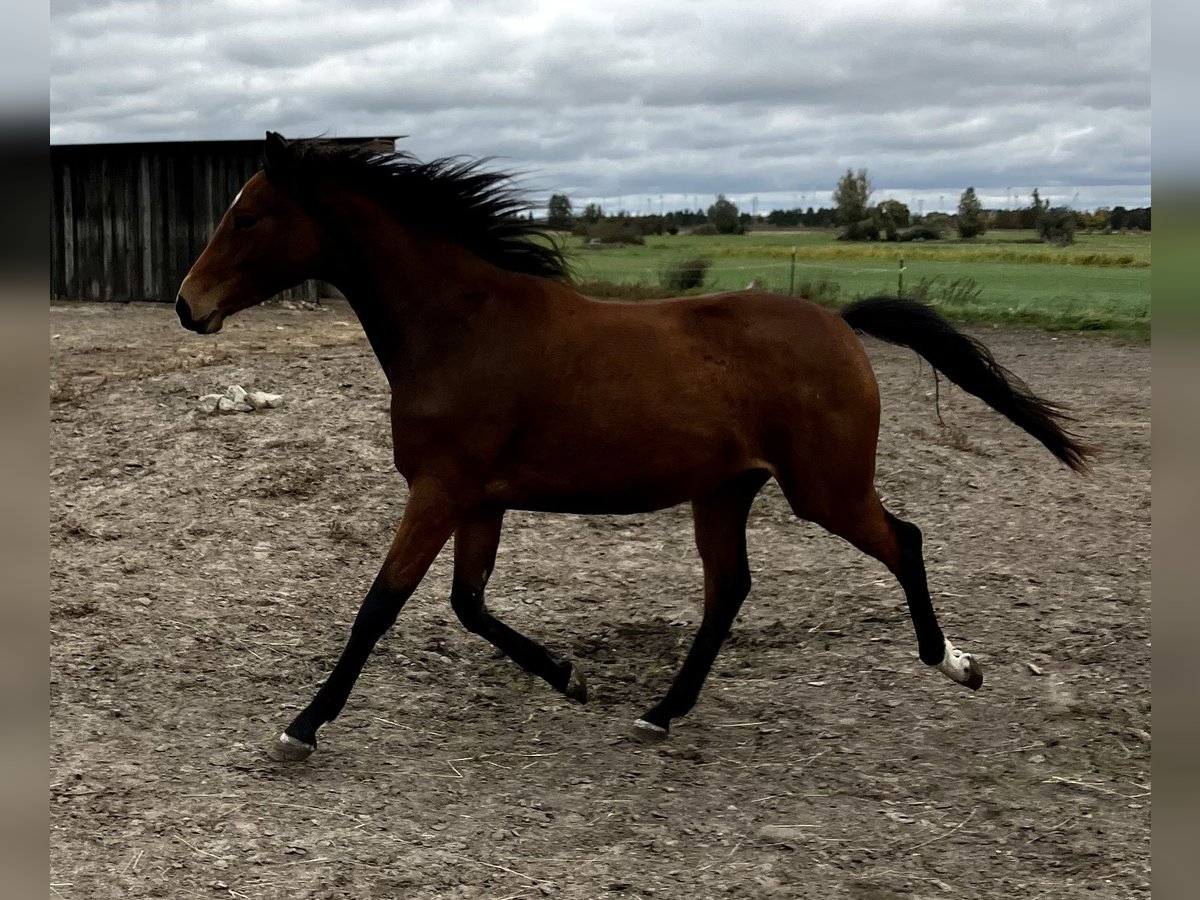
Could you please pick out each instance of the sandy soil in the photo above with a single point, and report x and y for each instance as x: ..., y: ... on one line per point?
x: 204, y: 572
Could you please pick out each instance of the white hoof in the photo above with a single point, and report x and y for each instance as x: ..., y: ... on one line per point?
x: 960, y: 667
x: 286, y: 748
x: 648, y: 732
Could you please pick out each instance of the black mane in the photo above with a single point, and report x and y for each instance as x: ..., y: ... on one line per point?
x: 454, y: 198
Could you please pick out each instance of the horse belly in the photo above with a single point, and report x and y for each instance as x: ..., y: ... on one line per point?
x: 631, y: 470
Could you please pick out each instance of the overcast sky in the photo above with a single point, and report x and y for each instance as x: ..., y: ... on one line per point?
x: 633, y: 100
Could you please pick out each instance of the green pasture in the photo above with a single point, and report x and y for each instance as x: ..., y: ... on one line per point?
x: 1102, y: 282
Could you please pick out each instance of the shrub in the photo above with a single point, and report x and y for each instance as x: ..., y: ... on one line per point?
x: 820, y: 290
x: 705, y: 230
x: 610, y: 231
x: 920, y: 233
x: 862, y: 230
x: 686, y: 274
x: 1057, y: 226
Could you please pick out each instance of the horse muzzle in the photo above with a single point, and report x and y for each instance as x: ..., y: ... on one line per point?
x: 209, y: 324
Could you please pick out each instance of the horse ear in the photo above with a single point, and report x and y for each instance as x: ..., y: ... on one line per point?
x: 276, y: 153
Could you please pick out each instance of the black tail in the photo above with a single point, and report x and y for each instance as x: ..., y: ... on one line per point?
x: 971, y: 366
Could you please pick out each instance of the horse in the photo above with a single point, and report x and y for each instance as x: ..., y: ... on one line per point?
x: 511, y: 390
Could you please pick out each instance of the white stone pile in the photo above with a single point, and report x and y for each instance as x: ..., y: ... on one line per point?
x: 237, y: 399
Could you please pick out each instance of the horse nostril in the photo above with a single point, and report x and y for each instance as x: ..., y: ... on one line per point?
x: 185, y: 314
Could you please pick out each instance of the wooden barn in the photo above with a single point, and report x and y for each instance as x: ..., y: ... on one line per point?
x: 128, y: 220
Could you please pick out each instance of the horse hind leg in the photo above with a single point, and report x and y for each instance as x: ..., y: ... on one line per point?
x: 897, y: 544
x: 956, y: 665
x: 475, y: 545
x: 720, y: 529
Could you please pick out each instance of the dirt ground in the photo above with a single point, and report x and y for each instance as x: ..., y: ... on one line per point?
x: 205, y: 569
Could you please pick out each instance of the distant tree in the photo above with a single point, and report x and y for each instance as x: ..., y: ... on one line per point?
x: 971, y: 222
x: 1096, y: 219
x: 1006, y: 218
x: 893, y: 213
x: 559, y: 213
x: 851, y: 197
x: 723, y: 215
x: 592, y: 213
x: 890, y: 216
x: 1118, y: 218
x: 650, y: 224
x: 1032, y: 215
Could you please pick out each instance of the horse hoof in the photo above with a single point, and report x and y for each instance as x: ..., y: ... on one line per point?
x: 577, y: 685
x: 961, y: 668
x: 286, y: 748
x: 648, y: 732
x: 974, y: 674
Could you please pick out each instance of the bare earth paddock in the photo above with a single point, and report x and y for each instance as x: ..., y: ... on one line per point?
x: 204, y: 572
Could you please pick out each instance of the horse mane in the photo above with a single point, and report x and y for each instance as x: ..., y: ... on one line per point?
x: 456, y: 198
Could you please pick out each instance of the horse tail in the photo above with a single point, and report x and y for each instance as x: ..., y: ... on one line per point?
x: 970, y: 365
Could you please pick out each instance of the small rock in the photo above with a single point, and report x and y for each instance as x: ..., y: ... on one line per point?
x: 1140, y: 734
x: 208, y: 403
x: 226, y: 405
x: 142, y: 601
x: 1034, y: 669
x: 263, y: 400
x: 236, y: 393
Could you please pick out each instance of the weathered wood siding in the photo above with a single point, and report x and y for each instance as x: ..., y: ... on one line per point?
x: 128, y: 220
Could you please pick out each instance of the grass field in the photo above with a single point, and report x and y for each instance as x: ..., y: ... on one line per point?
x: 1100, y: 283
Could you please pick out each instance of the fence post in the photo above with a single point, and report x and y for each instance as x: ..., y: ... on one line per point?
x: 792, y: 277
x: 900, y: 280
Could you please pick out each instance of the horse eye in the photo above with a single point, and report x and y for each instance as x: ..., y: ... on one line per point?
x: 243, y: 223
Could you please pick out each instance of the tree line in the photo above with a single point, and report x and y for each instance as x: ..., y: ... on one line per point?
x: 853, y: 214
x: 859, y: 220
x: 722, y: 217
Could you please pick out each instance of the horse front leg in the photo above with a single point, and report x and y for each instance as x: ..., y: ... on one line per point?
x: 429, y: 520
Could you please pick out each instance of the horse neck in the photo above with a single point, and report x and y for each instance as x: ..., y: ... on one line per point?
x: 416, y: 296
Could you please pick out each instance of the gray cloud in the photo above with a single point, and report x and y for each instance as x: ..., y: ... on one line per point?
x: 672, y: 97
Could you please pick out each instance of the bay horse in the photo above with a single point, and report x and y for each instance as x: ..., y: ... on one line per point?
x: 510, y: 390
